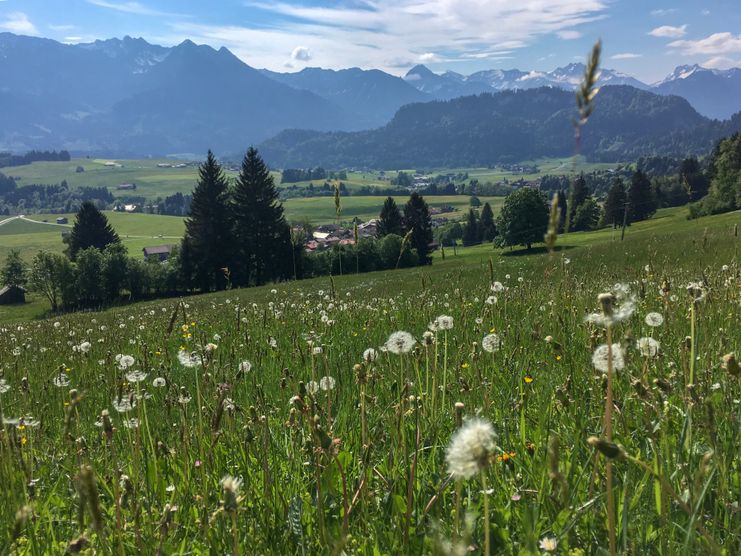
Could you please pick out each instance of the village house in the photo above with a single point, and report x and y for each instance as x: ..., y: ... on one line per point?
x: 126, y: 186
x: 158, y: 252
x: 10, y: 295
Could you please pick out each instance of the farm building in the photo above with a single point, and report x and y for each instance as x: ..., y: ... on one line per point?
x: 126, y: 186
x: 10, y: 295
x: 158, y: 252
x: 62, y: 220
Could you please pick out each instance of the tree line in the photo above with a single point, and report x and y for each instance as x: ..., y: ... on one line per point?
x: 9, y: 159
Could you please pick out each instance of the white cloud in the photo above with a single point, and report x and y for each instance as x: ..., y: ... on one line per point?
x: 722, y: 62
x: 72, y: 40
x: 662, y: 13
x: 713, y: 45
x: 60, y: 27
x: 429, y: 57
x: 301, y: 53
x: 381, y: 33
x: 669, y: 32
x: 705, y: 12
x: 135, y: 8
x: 625, y: 56
x: 18, y: 22
x: 568, y: 35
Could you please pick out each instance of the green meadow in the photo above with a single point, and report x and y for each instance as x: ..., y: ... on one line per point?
x: 256, y: 422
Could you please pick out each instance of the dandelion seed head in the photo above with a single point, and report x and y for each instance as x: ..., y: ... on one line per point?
x: 370, y: 355
x: 245, y: 366
x: 159, y: 382
x: 548, y: 544
x: 136, y: 376
x: 491, y: 343
x: 654, y: 319
x: 600, y: 358
x: 400, y: 342
x: 470, y: 448
x: 189, y: 359
x: 326, y: 383
x: 648, y: 347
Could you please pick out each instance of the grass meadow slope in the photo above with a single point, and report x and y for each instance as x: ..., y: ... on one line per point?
x: 256, y: 421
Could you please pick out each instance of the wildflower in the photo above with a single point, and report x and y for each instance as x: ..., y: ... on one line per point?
x: 697, y: 291
x: 245, y: 366
x: 498, y: 287
x: 654, y: 319
x: 57, y: 324
x: 443, y: 322
x: 491, y: 300
x: 159, y: 382
x: 124, y: 404
x: 400, y: 342
x: 470, y: 448
x: 316, y: 350
x: 84, y: 347
x: 210, y: 347
x: 4, y: 386
x: 184, y: 398
x: 61, y: 380
x: 648, y: 347
x: 136, y: 376
x: 600, y: 358
x: 312, y: 387
x: 491, y: 343
x: 616, y: 307
x: 326, y: 383
x: 548, y: 544
x: 189, y: 359
x: 131, y: 423
x: 370, y: 355
x: 124, y: 361
x: 231, y: 486
x: 428, y: 338
x: 528, y: 379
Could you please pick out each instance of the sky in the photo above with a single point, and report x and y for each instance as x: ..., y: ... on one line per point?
x: 643, y: 38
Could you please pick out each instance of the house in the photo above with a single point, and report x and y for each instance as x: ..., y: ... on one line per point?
x: 126, y: 186
x: 62, y: 220
x: 158, y: 252
x: 10, y: 295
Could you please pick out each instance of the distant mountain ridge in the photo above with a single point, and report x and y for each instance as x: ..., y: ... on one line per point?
x: 127, y: 97
x: 509, y: 126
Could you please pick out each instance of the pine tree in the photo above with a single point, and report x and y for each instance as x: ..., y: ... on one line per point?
x: 91, y: 229
x: 390, y: 220
x: 14, y: 272
x: 471, y: 229
x: 579, y: 194
x: 260, y: 229
x: 641, y: 201
x: 563, y: 207
x: 614, y: 209
x: 207, y: 229
x: 488, y: 227
x: 417, y: 220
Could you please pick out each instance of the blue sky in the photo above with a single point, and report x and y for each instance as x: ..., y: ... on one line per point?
x: 645, y: 38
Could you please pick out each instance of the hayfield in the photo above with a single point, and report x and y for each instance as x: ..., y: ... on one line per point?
x: 256, y: 421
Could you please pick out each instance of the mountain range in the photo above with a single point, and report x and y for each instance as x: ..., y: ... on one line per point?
x: 510, y: 126
x: 127, y: 97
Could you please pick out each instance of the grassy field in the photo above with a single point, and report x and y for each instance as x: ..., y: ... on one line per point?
x: 251, y: 422
x: 153, y: 182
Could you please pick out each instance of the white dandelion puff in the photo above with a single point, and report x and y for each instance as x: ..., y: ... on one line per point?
x: 370, y: 355
x: 189, y: 359
x: 61, y: 380
x: 124, y: 361
x: 136, y: 376
x: 654, y: 319
x: 443, y: 322
x: 312, y: 387
x: 326, y: 383
x: 648, y: 347
x: 470, y: 448
x: 400, y: 342
x: 548, y: 544
x: 4, y: 386
x: 491, y: 343
x: 600, y: 358
x: 124, y: 405
x: 245, y: 366
x: 159, y: 382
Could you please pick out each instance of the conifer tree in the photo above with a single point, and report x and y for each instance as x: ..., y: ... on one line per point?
x: 91, y: 229
x: 471, y: 229
x: 614, y: 209
x: 207, y: 241
x: 417, y: 220
x: 390, y: 220
x: 579, y: 194
x: 488, y: 227
x: 260, y: 229
x: 641, y: 201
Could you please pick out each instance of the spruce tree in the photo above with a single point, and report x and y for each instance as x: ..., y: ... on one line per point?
x: 579, y: 194
x: 262, y: 235
x: 91, y: 229
x: 390, y: 220
x: 488, y: 227
x: 206, y: 247
x: 641, y: 201
x: 417, y: 220
x: 471, y: 229
x: 614, y: 209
